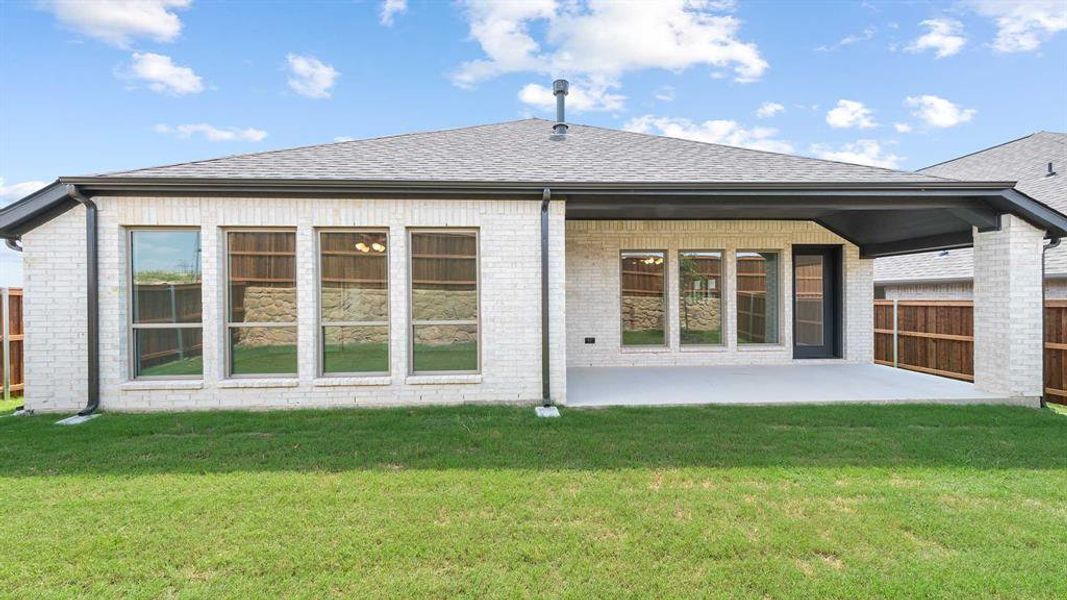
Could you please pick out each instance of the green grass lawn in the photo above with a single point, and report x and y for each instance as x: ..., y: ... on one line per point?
x: 798, y: 502
x: 7, y: 406
x: 349, y: 358
x: 700, y: 336
x: 643, y: 337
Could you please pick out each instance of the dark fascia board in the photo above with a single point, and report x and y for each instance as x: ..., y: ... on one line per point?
x: 40, y: 206
x: 163, y: 184
x: 998, y: 194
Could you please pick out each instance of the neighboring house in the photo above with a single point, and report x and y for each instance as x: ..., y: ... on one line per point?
x: 1038, y: 163
x: 483, y: 264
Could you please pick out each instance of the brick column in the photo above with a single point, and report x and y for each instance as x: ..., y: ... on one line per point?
x: 1008, y: 340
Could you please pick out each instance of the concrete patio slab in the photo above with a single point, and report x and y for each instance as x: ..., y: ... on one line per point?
x: 764, y: 384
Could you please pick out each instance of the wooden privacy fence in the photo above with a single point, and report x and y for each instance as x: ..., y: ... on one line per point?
x: 937, y: 337
x: 11, y: 338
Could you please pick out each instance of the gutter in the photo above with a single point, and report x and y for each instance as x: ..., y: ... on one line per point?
x: 92, y: 295
x: 1044, y: 252
x: 546, y: 393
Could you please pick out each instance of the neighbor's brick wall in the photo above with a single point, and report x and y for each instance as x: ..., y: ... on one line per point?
x: 510, y: 304
x: 1007, y: 309
x: 593, y: 301
x: 1055, y: 289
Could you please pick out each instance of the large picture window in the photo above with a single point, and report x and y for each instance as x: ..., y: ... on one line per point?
x: 261, y: 302
x: 166, y: 305
x: 700, y: 297
x: 644, y: 298
x: 354, y: 302
x: 758, y: 297
x: 444, y: 301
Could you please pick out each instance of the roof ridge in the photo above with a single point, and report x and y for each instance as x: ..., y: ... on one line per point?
x: 987, y: 149
x: 770, y: 152
x: 306, y: 146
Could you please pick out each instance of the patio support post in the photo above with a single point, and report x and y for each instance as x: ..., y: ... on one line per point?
x: 1008, y: 352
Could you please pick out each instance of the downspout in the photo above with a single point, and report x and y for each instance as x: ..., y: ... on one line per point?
x: 546, y: 394
x: 92, y: 302
x: 1044, y: 251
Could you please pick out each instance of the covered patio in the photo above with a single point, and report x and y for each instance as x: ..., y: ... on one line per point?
x: 816, y: 383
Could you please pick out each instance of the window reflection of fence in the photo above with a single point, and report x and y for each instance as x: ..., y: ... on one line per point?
x: 751, y: 299
x: 444, y: 261
x: 808, y: 279
x: 11, y: 342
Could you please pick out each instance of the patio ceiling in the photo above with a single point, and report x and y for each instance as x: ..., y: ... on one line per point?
x: 882, y: 222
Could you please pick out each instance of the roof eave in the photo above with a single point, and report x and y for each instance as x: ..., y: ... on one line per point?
x: 158, y: 184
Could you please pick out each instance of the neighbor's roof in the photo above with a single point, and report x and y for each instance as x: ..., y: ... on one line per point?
x: 523, y: 152
x: 1024, y: 160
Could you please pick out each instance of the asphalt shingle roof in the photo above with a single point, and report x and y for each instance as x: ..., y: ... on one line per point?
x: 523, y: 152
x: 1024, y: 160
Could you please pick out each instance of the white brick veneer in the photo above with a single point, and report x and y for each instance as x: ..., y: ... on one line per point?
x: 593, y: 289
x: 510, y: 304
x: 1007, y: 310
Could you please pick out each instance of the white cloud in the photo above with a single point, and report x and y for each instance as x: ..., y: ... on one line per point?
x: 391, y: 8
x: 938, y: 112
x: 850, y: 113
x: 945, y: 36
x: 582, y: 96
x: 309, y: 76
x: 212, y: 133
x: 715, y: 132
x: 598, y: 41
x: 344, y: 138
x: 860, y: 152
x: 1023, y: 25
x: 769, y: 109
x: 848, y: 40
x: 18, y: 191
x: 119, y: 22
x: 162, y: 75
x: 902, y: 127
x: 664, y: 94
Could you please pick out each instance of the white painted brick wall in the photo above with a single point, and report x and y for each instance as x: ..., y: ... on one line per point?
x: 54, y: 312
x: 593, y: 289
x: 510, y: 304
x: 1007, y: 309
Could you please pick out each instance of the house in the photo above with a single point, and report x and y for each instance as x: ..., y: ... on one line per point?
x: 500, y: 263
x: 1038, y: 163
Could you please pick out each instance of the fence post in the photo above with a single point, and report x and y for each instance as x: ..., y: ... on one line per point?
x: 896, y: 336
x: 5, y: 353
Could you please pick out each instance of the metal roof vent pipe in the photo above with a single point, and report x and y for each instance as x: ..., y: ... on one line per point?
x: 560, y: 87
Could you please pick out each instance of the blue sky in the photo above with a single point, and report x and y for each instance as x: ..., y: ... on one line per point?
x: 92, y: 86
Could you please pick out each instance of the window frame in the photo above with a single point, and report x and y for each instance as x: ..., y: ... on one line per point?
x: 132, y: 326
x: 723, y: 275
x: 321, y: 324
x: 227, y: 357
x: 477, y: 322
x: 779, y: 301
x: 666, y: 302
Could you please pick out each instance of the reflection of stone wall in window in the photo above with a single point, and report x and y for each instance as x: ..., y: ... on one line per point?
x: 700, y: 297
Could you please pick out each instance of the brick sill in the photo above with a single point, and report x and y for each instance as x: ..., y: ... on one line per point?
x: 352, y: 381
x: 162, y: 384
x: 260, y: 383
x: 761, y: 347
x: 442, y: 379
